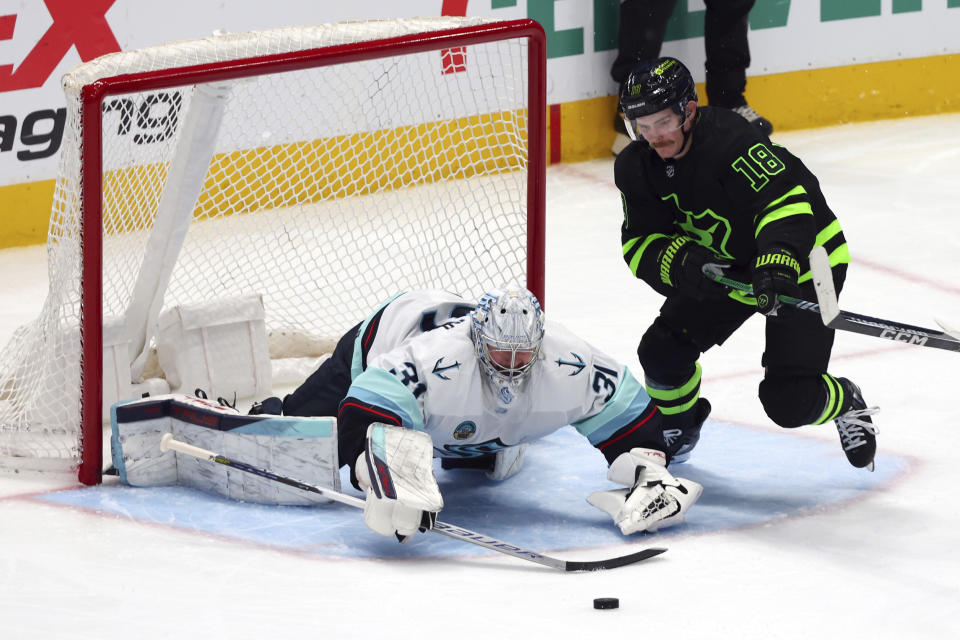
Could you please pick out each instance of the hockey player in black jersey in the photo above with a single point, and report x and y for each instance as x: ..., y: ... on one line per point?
x: 701, y: 186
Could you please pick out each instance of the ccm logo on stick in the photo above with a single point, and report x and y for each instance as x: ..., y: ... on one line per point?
x: 900, y: 336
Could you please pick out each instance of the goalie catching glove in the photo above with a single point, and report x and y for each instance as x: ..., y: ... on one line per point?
x: 396, y: 472
x: 655, y: 498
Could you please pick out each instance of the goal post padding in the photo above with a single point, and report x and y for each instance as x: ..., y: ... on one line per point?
x: 334, y: 166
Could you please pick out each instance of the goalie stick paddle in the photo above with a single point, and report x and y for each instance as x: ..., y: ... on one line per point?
x: 834, y: 318
x: 167, y: 443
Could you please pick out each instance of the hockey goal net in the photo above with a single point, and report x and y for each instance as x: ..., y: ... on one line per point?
x: 321, y: 168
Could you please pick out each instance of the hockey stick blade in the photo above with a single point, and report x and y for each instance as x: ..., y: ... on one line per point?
x: 168, y: 443
x: 823, y: 285
x: 613, y: 563
x: 460, y: 533
x: 949, y: 330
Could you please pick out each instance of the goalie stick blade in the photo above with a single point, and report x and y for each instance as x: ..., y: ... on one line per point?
x: 613, y: 563
x: 823, y: 285
x: 452, y: 531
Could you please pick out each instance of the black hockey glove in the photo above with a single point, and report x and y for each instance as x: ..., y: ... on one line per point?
x: 775, y: 273
x: 681, y: 266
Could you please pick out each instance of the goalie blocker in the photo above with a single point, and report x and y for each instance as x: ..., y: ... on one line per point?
x: 395, y: 471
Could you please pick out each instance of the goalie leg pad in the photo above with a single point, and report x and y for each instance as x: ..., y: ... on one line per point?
x: 497, y: 466
x: 304, y: 448
x: 507, y: 462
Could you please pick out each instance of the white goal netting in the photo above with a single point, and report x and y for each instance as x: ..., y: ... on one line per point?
x: 324, y: 189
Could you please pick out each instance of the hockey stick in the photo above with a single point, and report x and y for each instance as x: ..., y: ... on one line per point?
x: 953, y: 332
x: 834, y: 318
x: 167, y: 442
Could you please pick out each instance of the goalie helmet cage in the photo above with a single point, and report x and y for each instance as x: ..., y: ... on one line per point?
x: 324, y: 168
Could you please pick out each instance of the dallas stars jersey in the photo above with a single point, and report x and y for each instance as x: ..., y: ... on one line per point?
x: 734, y: 192
x: 435, y: 383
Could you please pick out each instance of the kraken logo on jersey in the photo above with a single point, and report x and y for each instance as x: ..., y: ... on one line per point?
x: 438, y: 370
x: 465, y: 430
x: 707, y: 228
x: 578, y: 366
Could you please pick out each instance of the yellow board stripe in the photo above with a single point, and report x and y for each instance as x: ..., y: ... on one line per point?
x: 283, y: 175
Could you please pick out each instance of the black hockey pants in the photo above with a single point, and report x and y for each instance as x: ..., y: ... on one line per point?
x: 321, y: 393
x: 796, y: 355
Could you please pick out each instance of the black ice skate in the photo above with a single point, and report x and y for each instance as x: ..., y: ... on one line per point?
x: 856, y: 429
x: 682, y: 439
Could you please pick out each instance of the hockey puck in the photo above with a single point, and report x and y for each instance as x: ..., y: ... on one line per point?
x: 606, y: 603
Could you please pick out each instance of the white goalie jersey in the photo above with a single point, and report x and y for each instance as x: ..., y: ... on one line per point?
x: 434, y: 383
x: 402, y: 317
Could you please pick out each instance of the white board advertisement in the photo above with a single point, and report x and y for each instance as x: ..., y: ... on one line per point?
x: 41, y: 39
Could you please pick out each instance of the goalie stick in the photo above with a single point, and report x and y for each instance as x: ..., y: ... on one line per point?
x: 167, y: 442
x: 835, y: 318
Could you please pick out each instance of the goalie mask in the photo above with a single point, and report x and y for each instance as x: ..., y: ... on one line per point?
x: 507, y: 331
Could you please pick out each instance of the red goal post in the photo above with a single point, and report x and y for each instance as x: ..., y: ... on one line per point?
x: 394, y: 192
